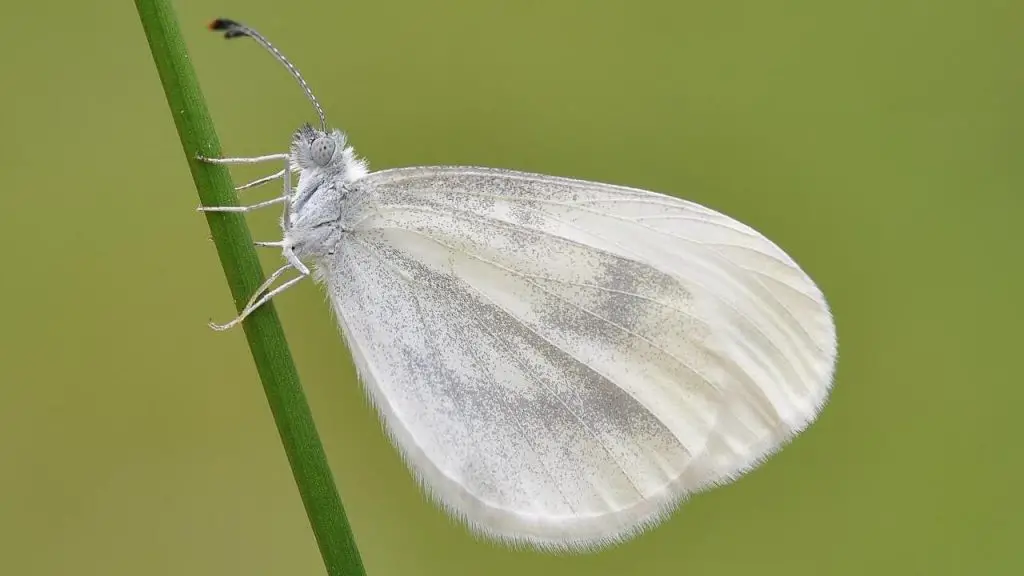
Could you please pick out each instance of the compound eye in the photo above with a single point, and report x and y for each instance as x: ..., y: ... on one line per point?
x: 322, y: 150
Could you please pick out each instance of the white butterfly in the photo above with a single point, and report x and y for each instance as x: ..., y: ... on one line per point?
x: 560, y: 362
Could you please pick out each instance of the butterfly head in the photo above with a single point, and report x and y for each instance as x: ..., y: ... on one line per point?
x: 327, y: 154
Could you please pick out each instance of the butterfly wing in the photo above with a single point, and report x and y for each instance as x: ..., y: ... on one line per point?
x: 561, y: 361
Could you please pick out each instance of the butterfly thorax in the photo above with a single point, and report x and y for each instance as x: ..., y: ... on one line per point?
x: 327, y: 165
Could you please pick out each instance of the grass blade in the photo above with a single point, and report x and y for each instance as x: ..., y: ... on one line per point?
x: 263, y: 330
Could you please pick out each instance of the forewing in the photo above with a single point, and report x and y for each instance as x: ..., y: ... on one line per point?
x: 562, y: 361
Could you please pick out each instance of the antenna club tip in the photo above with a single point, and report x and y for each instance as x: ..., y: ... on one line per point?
x: 222, y: 24
x: 230, y: 28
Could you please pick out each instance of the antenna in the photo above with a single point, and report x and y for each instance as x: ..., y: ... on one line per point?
x: 234, y: 29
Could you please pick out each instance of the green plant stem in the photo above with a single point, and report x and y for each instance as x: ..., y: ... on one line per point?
x: 241, y: 267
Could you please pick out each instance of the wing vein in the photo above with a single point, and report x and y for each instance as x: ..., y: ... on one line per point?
x: 638, y: 221
x: 434, y: 353
x: 547, y: 387
x: 504, y: 224
x: 478, y: 362
x: 566, y: 354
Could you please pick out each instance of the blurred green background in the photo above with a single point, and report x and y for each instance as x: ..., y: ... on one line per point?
x: 881, y: 143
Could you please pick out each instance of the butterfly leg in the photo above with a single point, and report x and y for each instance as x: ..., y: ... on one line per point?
x: 262, y: 181
x: 259, y: 298
x: 250, y: 160
x: 283, y: 173
x: 248, y: 208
